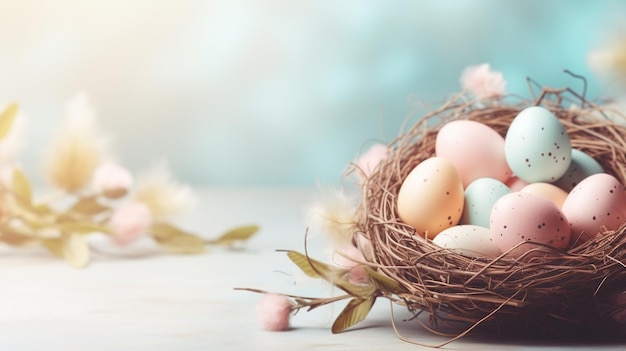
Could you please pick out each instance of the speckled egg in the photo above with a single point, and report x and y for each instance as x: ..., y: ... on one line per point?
x: 468, y: 240
x: 581, y: 167
x: 475, y: 149
x: 480, y: 195
x: 525, y: 217
x: 548, y: 191
x: 430, y: 199
x: 537, y: 146
x: 596, y: 204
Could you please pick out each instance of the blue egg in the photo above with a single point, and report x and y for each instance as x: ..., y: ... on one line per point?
x: 581, y: 167
x: 480, y: 195
x: 537, y: 147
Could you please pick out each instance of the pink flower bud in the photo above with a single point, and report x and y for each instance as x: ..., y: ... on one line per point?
x: 129, y: 222
x: 274, y: 311
x: 112, y: 180
x: 371, y: 158
x: 349, y: 257
x: 483, y: 82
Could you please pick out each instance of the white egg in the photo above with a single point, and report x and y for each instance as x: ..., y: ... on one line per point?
x: 468, y: 240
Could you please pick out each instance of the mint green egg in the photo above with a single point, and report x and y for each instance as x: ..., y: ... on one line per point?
x: 480, y: 195
x: 581, y: 167
x: 537, y: 146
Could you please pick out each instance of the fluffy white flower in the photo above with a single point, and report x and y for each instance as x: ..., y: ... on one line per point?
x: 77, y: 149
x: 162, y: 194
x: 334, y: 215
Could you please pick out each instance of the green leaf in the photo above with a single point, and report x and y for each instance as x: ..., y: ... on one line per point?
x: 88, y: 206
x: 175, y: 240
x: 21, y: 186
x: 383, y: 282
x: 6, y: 119
x: 242, y: 233
x: 355, y: 311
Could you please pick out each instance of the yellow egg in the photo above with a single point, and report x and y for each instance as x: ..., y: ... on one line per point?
x: 548, y: 191
x: 431, y: 197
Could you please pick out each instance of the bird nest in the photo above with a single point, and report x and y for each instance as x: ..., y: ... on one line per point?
x: 553, y: 292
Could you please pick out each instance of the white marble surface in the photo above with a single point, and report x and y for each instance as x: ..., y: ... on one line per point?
x: 144, y: 300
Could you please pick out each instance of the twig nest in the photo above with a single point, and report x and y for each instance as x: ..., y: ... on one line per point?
x: 552, y: 291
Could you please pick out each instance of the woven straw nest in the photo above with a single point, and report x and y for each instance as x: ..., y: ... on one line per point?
x: 556, y: 293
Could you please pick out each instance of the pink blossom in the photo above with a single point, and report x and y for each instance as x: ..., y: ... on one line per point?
x: 349, y: 257
x: 273, y: 311
x: 112, y: 180
x: 483, y: 82
x: 371, y: 158
x: 129, y: 222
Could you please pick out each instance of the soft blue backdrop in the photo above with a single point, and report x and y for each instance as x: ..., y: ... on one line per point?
x: 275, y: 92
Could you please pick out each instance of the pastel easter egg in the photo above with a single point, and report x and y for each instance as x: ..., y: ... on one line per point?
x: 430, y: 199
x: 475, y: 149
x: 595, y: 205
x: 468, y: 240
x: 480, y: 195
x: 581, y: 167
x: 527, y: 218
x: 548, y: 191
x: 537, y: 146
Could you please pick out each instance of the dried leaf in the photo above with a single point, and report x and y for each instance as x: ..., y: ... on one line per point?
x: 333, y: 275
x: 242, y: 233
x: 21, y: 186
x: 175, y: 240
x: 54, y: 246
x: 83, y: 228
x: 383, y: 282
x: 311, y: 267
x: 76, y: 250
x: 13, y: 237
x: 88, y: 206
x: 355, y: 311
x: 6, y: 119
x: 43, y: 210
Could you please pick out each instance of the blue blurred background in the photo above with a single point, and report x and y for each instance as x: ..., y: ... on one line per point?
x: 269, y: 93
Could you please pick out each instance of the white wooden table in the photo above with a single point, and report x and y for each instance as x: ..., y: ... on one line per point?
x: 145, y: 300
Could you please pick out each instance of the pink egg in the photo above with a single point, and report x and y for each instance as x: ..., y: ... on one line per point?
x: 475, y: 149
x: 596, y: 204
x: 527, y: 218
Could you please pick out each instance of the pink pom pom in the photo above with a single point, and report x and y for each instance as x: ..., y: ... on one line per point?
x: 129, y: 222
x: 349, y: 257
x: 482, y: 81
x: 371, y: 158
x: 274, y: 311
x: 112, y: 180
